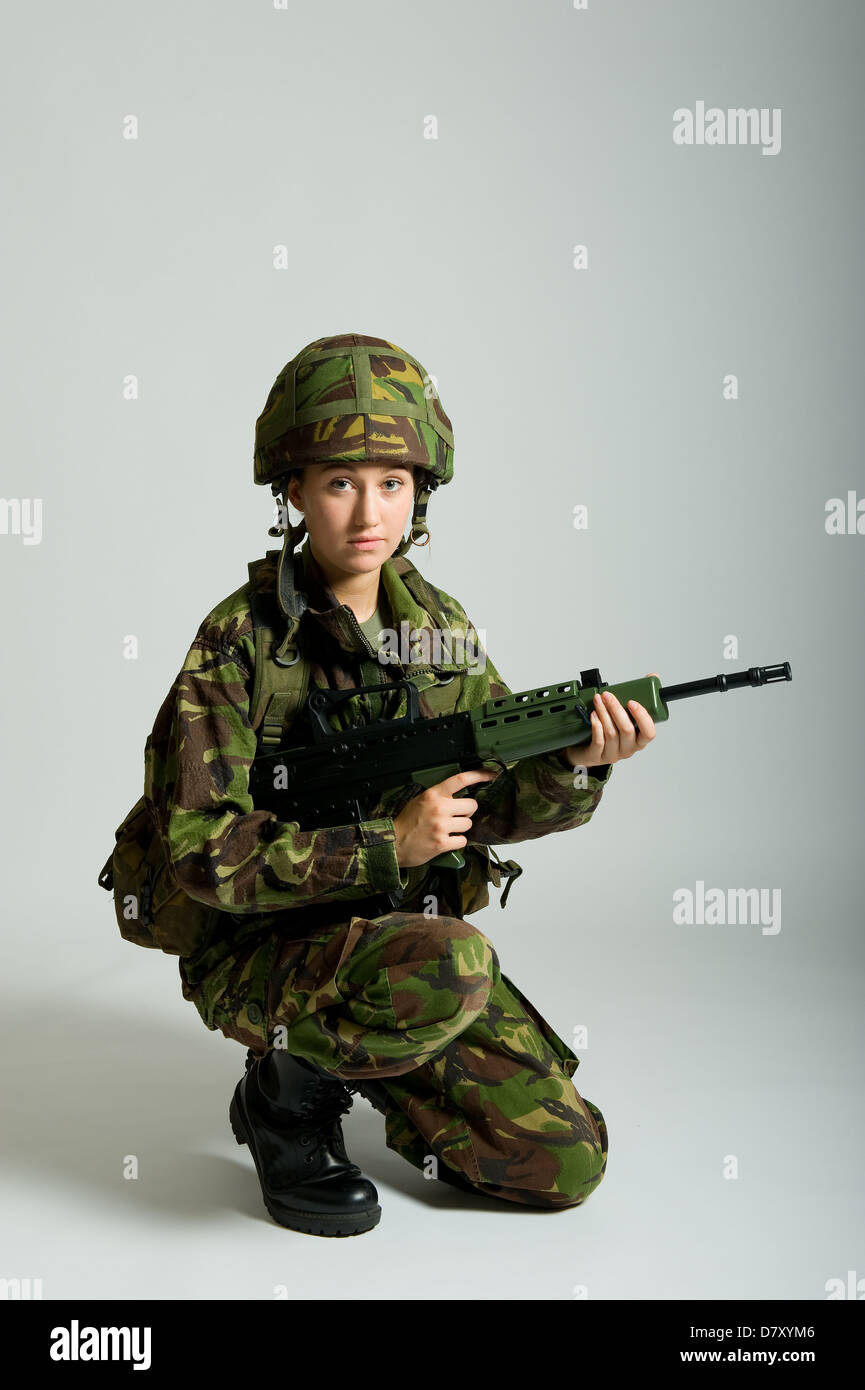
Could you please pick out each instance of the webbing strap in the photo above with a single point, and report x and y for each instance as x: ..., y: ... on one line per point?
x: 371, y: 673
x: 513, y: 872
x: 279, y: 690
x: 282, y: 707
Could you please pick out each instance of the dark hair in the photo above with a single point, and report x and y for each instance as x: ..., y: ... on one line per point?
x: 287, y: 477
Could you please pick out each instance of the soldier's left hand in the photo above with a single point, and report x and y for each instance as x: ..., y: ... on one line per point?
x: 614, y: 736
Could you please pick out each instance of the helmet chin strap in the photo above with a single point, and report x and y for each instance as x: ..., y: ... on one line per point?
x: 423, y: 493
x: 292, y: 601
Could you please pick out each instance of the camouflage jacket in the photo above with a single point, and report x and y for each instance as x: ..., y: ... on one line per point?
x: 232, y: 857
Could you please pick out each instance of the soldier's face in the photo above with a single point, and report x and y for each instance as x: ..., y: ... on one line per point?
x: 342, y: 502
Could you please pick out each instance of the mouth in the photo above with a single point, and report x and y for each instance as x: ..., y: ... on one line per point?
x: 368, y: 541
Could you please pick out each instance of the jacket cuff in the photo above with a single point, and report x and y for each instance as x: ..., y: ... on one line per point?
x: 599, y: 774
x: 378, y: 855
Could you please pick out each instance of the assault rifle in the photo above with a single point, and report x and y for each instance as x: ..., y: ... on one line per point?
x: 340, y: 779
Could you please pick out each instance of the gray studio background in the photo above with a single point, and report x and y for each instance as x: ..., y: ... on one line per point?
x: 304, y: 128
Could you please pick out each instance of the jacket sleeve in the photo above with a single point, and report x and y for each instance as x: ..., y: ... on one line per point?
x: 536, y: 795
x: 224, y: 852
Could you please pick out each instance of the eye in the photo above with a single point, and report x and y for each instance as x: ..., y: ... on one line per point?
x: 399, y: 484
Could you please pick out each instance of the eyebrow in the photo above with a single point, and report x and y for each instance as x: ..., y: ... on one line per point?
x: 352, y: 468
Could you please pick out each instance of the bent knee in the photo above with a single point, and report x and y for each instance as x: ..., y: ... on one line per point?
x: 584, y: 1163
x: 414, y: 970
x: 561, y: 1176
x: 582, y: 1171
x: 446, y: 965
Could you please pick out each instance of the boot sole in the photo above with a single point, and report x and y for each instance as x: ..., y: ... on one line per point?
x: 324, y: 1225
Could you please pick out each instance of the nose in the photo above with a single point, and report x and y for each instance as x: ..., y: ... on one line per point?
x: 366, y: 506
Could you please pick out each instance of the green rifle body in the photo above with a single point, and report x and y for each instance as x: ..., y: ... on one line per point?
x: 339, y: 780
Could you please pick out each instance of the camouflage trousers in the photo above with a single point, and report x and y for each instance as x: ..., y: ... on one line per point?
x: 474, y: 1077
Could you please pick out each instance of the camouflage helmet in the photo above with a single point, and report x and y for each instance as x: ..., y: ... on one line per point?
x: 351, y: 397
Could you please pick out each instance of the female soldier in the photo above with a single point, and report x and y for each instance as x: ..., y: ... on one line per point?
x: 321, y: 955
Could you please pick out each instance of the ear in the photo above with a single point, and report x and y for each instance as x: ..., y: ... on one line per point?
x: 292, y: 494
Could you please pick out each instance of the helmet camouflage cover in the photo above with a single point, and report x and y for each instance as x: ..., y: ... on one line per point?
x: 352, y: 397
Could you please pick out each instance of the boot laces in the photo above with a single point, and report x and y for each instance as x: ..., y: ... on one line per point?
x: 327, y: 1099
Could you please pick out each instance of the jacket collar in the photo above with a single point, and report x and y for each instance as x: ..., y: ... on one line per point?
x: 341, y: 623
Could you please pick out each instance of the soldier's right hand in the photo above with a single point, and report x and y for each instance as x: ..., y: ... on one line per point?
x: 437, y: 820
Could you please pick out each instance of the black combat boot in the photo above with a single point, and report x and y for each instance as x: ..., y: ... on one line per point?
x: 289, y: 1111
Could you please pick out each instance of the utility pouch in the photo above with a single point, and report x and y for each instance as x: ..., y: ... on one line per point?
x: 151, y: 909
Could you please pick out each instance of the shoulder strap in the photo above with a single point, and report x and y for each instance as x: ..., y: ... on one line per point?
x: 279, y: 689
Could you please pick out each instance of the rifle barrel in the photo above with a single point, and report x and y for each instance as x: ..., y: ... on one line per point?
x: 755, y: 675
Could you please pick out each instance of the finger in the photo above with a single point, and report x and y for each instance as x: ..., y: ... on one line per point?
x: 614, y: 705
x: 600, y: 725
x: 597, y: 745
x: 465, y: 779
x: 644, y: 720
x: 610, y: 751
x: 604, y: 716
x: 626, y: 729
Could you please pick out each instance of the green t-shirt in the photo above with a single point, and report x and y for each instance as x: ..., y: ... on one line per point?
x: 380, y: 619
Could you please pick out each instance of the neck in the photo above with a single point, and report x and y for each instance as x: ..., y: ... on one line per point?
x: 359, y: 591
